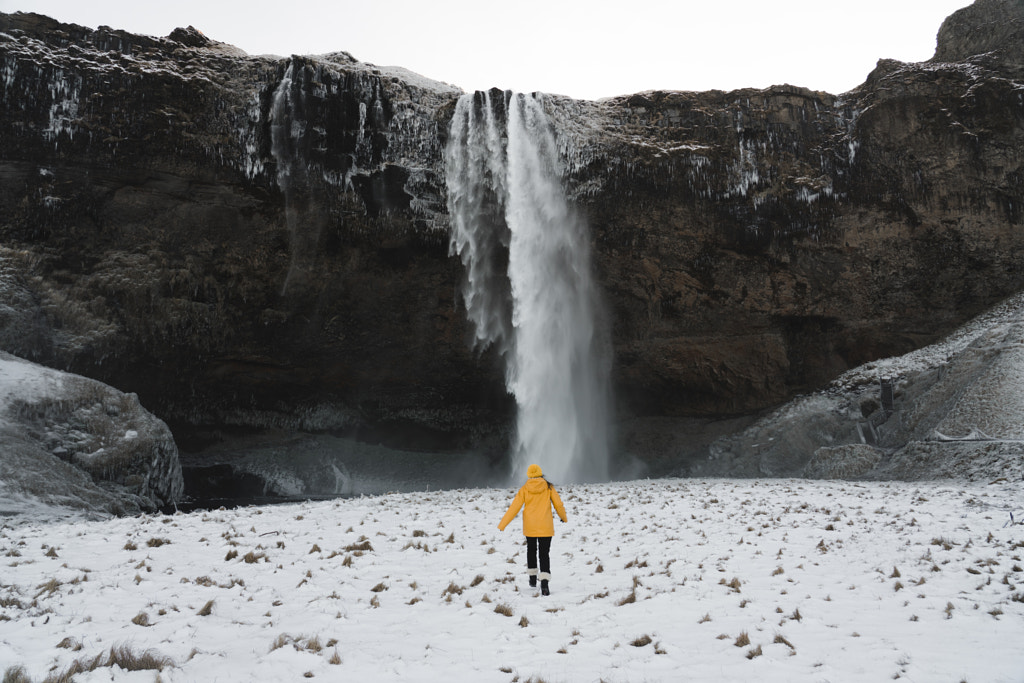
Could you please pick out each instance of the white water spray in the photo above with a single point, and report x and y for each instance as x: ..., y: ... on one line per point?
x: 529, y: 287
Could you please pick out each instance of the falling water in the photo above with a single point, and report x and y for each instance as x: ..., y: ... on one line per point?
x: 284, y: 133
x: 529, y: 287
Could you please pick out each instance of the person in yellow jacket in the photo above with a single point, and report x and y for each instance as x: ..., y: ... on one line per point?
x: 536, y: 498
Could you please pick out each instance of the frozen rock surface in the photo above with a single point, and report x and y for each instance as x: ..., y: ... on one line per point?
x: 256, y: 242
x: 954, y: 409
x: 67, y: 441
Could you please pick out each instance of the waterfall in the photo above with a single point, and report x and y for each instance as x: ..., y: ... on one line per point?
x: 529, y: 287
x: 285, y: 130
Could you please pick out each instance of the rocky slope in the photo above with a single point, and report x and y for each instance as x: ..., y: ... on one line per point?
x: 260, y: 242
x: 954, y: 409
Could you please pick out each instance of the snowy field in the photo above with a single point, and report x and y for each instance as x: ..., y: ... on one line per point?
x: 705, y: 580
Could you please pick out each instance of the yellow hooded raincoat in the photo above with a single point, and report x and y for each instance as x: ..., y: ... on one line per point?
x: 536, y: 498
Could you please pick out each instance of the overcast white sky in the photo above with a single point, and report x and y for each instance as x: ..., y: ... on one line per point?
x: 582, y: 48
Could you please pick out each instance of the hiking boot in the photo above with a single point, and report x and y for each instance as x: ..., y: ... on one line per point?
x: 533, y: 581
x: 544, y: 587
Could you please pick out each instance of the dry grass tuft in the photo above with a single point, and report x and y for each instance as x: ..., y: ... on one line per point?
x: 524, y: 622
x: 141, y: 619
x: 206, y: 610
x: 232, y: 554
x: 11, y: 602
x: 705, y: 619
x: 742, y: 640
x: 314, y: 549
x: 379, y: 588
x: 130, y: 545
x: 16, y: 674
x: 252, y: 558
x: 335, y: 658
x: 70, y: 643
x: 157, y: 542
x: 47, y: 587
x: 476, y: 581
x: 642, y: 641
x: 503, y: 610
x: 362, y: 546
x: 452, y: 589
x: 781, y: 640
x: 755, y: 652
x: 120, y: 655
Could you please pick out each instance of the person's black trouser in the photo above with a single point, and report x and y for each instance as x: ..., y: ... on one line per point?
x: 545, y: 555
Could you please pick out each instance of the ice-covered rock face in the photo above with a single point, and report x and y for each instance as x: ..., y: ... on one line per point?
x: 262, y: 242
x: 74, y: 442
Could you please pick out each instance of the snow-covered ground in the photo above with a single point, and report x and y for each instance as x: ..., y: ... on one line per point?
x: 707, y: 580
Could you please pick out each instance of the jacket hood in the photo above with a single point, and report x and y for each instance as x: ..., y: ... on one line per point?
x: 536, y: 485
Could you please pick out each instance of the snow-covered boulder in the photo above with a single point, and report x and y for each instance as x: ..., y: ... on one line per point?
x: 69, y: 441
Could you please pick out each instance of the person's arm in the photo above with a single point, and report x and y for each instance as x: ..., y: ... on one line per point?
x: 559, y: 508
x: 513, y: 510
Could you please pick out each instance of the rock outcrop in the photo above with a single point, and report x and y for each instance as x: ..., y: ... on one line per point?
x: 954, y: 409
x: 71, y: 442
x: 260, y: 242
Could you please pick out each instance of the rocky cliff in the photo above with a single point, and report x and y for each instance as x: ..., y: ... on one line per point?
x: 263, y: 242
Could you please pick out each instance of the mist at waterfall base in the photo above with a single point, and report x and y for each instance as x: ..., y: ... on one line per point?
x: 281, y: 467
x: 529, y: 288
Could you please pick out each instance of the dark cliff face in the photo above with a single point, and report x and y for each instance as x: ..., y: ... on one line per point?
x: 241, y: 241
x: 755, y: 244
x: 259, y: 242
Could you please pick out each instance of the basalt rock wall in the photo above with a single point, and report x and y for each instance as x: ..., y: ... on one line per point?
x: 263, y: 242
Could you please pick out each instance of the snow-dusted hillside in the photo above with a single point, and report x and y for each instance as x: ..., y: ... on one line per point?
x: 954, y: 409
x: 705, y: 580
x: 71, y: 442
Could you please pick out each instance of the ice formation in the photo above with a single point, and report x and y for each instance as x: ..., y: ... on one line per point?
x: 542, y: 308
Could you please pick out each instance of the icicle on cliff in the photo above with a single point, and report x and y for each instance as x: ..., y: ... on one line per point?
x: 529, y: 287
